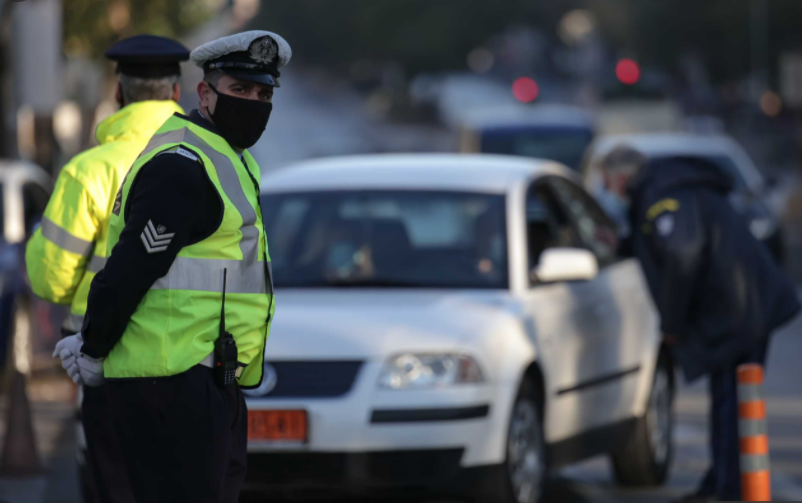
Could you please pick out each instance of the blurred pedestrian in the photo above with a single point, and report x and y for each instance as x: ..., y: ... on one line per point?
x: 718, y: 290
x: 186, y: 228
x: 69, y: 247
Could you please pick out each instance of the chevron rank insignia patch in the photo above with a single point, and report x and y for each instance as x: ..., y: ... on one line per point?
x: 156, y: 238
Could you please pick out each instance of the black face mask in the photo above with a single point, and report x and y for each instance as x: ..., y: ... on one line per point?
x: 241, y: 122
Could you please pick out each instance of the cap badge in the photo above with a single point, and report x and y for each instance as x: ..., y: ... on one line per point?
x: 264, y: 50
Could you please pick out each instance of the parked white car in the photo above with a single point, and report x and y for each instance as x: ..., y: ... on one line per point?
x: 451, y: 323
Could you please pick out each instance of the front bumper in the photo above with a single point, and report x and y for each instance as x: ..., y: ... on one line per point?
x: 471, y: 419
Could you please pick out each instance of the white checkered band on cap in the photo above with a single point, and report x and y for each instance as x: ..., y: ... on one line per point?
x: 239, y: 42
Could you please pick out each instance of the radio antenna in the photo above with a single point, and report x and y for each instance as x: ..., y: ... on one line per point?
x: 223, y: 306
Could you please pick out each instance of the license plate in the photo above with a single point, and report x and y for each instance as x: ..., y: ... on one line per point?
x: 277, y: 425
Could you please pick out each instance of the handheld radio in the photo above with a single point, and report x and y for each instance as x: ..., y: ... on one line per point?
x: 225, y: 348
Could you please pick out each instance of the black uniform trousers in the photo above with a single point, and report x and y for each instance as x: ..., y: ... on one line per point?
x: 104, y: 460
x: 183, y: 438
x: 723, y: 479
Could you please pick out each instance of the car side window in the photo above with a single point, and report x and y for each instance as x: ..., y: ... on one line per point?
x: 547, y: 224
x: 594, y: 228
x: 34, y: 202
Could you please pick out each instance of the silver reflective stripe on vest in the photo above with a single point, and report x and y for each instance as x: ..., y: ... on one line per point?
x: 270, y: 275
x: 229, y: 180
x: 206, y: 275
x: 245, y: 276
x: 63, y: 239
x: 159, y: 140
x: 96, y: 264
x: 73, y: 323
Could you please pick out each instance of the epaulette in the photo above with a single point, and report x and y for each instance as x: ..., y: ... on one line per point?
x: 178, y: 149
x: 661, y: 207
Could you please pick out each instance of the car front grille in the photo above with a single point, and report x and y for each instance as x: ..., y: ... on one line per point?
x: 312, y: 379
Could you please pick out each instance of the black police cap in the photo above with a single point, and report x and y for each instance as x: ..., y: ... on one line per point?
x: 148, y: 56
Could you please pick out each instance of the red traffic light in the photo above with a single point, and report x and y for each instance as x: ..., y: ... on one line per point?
x: 627, y: 71
x: 525, y: 89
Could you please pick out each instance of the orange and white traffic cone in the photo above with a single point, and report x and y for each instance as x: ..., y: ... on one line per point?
x: 755, y: 475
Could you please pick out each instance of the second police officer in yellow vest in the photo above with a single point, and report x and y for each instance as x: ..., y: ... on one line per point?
x: 188, y: 211
x: 69, y: 248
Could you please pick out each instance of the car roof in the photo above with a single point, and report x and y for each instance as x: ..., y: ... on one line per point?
x: 522, y: 116
x: 682, y: 144
x: 663, y: 144
x: 495, y: 174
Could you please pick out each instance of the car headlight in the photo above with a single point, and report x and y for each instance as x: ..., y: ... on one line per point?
x: 417, y: 371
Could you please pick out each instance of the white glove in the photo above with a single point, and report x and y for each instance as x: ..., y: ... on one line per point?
x: 68, y: 350
x: 70, y: 364
x: 91, y: 370
x: 71, y: 344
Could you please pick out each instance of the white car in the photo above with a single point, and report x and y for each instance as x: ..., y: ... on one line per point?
x: 751, y: 196
x: 24, y: 191
x: 451, y: 323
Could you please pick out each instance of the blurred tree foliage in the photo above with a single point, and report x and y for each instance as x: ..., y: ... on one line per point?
x: 91, y: 26
x: 426, y: 35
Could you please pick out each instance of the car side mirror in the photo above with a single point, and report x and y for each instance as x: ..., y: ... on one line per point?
x: 565, y: 264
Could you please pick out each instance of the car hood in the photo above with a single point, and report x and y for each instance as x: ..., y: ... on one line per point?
x: 373, y: 323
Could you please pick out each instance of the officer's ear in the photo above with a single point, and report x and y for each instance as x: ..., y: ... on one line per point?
x: 204, y: 93
x: 176, y: 92
x: 118, y: 94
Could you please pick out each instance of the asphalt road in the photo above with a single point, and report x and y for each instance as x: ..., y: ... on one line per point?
x: 589, y: 482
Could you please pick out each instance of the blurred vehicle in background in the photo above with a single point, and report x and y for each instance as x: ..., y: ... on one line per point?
x: 24, y: 191
x: 555, y: 132
x: 451, y: 323
x: 638, y: 116
x: 752, y: 191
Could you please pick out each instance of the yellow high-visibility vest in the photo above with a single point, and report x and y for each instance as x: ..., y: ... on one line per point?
x: 65, y: 253
x: 176, y: 323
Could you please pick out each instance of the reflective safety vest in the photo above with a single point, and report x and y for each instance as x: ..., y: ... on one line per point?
x: 176, y: 323
x: 65, y: 253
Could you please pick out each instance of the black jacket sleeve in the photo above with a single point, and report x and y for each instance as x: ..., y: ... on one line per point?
x: 679, y: 239
x: 173, y: 195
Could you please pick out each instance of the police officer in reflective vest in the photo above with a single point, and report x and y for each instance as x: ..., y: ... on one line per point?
x: 69, y: 248
x: 178, y: 319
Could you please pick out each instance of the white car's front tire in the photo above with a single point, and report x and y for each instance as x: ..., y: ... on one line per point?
x: 524, y: 469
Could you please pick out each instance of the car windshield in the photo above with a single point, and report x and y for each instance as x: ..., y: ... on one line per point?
x: 415, y: 239
x: 564, y: 145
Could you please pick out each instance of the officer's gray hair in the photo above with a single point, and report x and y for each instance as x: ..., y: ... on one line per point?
x: 624, y: 158
x: 137, y: 89
x: 213, y: 77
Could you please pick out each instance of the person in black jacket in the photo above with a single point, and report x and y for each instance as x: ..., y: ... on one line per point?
x: 719, y: 292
